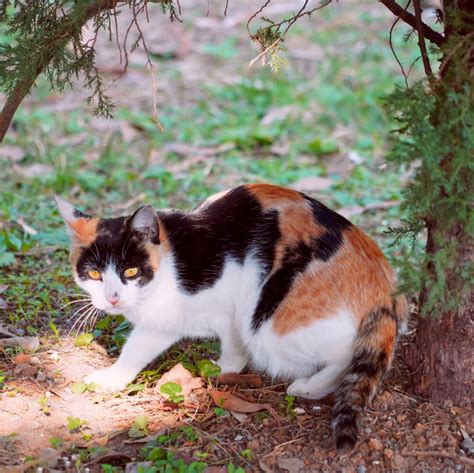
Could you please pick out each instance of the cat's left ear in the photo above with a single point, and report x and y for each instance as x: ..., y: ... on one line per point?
x: 145, y: 222
x: 82, y: 226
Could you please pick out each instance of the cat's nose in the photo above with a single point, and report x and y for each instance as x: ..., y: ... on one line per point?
x: 113, y: 298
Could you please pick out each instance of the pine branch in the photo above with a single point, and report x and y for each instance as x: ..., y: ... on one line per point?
x: 79, y: 16
x: 410, y: 19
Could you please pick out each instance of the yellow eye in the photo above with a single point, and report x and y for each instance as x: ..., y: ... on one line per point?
x: 93, y: 274
x: 130, y: 272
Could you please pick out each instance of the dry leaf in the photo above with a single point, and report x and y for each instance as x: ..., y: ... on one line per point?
x: 231, y: 379
x: 26, y: 228
x: 312, y: 184
x: 180, y: 375
x: 233, y: 403
x: 34, y: 170
x: 27, y: 343
x: 12, y: 152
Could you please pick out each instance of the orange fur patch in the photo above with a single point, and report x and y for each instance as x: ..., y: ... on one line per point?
x: 271, y: 196
x: 84, y: 229
x: 357, y: 277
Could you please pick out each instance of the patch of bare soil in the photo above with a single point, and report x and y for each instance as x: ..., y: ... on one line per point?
x: 398, y: 432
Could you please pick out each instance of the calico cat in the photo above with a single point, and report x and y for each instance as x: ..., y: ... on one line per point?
x: 284, y: 282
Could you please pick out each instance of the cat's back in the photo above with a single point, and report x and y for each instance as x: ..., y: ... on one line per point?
x: 315, y: 260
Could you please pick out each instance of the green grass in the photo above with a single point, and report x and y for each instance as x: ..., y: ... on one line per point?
x: 342, y: 92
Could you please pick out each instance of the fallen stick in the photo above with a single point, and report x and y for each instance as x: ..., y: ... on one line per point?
x: 432, y: 453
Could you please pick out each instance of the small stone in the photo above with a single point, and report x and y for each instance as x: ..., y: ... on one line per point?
x: 292, y: 465
x: 35, y: 361
x: 361, y: 469
x: 375, y: 444
x: 53, y: 355
x: 40, y: 377
x: 238, y: 438
x: 468, y: 446
x: 388, y: 453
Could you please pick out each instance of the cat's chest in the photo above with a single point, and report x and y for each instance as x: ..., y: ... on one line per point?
x: 168, y: 306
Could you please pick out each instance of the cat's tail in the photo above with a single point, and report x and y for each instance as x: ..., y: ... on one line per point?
x: 373, y: 354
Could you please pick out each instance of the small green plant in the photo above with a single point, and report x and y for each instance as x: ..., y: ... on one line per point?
x: 173, y: 391
x: 208, y: 369
x: 247, y: 453
x: 139, y: 427
x: 84, y: 339
x: 80, y: 387
x: 75, y: 424
x: 43, y: 401
x: 290, y: 401
x: 2, y: 378
x: 56, y: 442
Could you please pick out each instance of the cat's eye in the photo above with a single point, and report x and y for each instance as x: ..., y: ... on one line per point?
x: 130, y: 272
x: 94, y: 274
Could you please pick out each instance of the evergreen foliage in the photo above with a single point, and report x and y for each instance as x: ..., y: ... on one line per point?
x: 442, y: 190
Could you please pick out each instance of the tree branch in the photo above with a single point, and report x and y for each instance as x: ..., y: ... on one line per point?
x: 410, y: 19
x: 62, y: 36
x: 421, y: 40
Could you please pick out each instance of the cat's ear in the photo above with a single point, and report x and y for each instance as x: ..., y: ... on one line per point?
x: 82, y: 226
x: 145, y: 222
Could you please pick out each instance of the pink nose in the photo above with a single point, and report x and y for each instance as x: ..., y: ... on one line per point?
x: 113, y: 298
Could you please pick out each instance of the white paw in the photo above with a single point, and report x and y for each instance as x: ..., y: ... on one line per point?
x: 231, y: 365
x: 108, y: 379
x: 303, y: 387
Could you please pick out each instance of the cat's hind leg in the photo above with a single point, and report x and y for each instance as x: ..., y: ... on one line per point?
x: 319, y: 385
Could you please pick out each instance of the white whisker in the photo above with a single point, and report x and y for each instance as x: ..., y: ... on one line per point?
x: 83, y: 316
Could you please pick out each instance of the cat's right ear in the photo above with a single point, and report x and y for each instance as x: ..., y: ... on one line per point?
x: 81, y: 225
x: 145, y: 222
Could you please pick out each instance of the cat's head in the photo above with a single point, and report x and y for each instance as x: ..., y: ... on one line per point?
x: 113, y: 259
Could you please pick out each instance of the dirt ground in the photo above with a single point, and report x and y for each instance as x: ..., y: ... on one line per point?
x: 399, y: 432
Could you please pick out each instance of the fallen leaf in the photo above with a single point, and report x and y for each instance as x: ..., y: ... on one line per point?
x: 12, y: 152
x: 180, y: 375
x: 27, y: 343
x: 231, y: 379
x: 232, y: 402
x: 34, y: 170
x: 241, y: 417
x: 3, y: 303
x: 26, y: 228
x: 26, y: 370
x: 312, y: 184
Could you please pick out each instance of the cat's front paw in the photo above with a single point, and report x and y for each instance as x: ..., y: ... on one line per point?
x: 108, y: 379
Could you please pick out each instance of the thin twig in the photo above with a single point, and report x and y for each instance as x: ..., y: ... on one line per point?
x: 410, y: 19
x: 442, y: 454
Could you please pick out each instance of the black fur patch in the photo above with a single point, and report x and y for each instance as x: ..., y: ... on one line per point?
x: 296, y: 260
x: 233, y: 226
x: 116, y: 244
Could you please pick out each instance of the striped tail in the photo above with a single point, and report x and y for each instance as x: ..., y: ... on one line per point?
x: 373, y: 355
